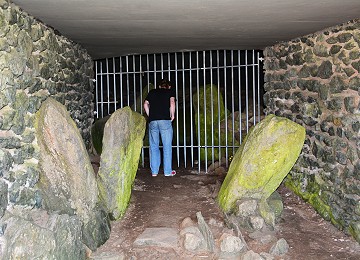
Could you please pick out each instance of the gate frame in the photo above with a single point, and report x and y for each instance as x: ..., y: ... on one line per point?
x: 122, y: 67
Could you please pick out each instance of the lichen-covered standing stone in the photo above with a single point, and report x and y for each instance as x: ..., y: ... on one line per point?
x: 206, y: 113
x: 122, y: 143
x: 263, y: 160
x: 67, y: 180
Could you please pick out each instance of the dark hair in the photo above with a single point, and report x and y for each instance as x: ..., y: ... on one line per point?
x: 165, y: 83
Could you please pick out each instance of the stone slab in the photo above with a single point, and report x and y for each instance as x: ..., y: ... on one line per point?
x: 162, y: 237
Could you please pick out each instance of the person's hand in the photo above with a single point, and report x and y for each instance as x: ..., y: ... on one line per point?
x: 172, y: 118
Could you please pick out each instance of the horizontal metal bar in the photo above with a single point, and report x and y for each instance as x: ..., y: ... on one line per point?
x: 176, y: 70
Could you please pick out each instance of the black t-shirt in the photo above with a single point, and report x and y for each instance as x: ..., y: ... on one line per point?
x: 159, y: 100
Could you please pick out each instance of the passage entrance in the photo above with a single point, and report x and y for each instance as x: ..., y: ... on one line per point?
x: 218, y: 93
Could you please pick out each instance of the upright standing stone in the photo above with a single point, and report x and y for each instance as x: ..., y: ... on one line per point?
x: 263, y: 160
x: 122, y: 142
x: 67, y: 180
x: 205, y: 114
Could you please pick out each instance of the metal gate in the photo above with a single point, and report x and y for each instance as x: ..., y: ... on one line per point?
x: 218, y: 93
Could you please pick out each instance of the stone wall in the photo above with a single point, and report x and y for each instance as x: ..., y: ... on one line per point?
x: 35, y: 63
x: 314, y: 80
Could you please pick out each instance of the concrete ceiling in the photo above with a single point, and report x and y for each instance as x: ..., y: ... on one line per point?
x: 110, y: 28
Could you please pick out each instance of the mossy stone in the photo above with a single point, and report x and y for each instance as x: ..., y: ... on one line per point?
x: 356, y: 65
x: 325, y: 70
x: 354, y: 230
x: 97, y: 133
x: 3, y: 197
x: 263, y: 160
x: 335, y: 49
x: 276, y: 204
x: 210, y: 112
x: 344, y: 37
x: 332, y: 40
x: 354, y: 55
x: 321, y: 50
x: 267, y: 213
x: 122, y: 142
x: 6, y: 161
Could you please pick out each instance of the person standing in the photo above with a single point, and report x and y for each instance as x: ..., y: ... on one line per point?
x: 159, y: 106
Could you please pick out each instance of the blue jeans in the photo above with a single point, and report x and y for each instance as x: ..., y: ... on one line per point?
x: 164, y: 129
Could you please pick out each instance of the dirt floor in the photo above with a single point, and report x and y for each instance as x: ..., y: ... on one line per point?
x: 165, y: 201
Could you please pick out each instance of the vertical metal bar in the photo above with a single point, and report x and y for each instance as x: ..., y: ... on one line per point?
x: 212, y: 109
x: 205, y: 144
x: 258, y: 84
x: 134, y: 82
x: 108, y: 86
x: 177, y: 109
x: 114, y: 73
x: 169, y: 68
x: 218, y: 102
x: 127, y: 80
x: 246, y: 92
x: 96, y: 90
x: 102, y: 91
x: 121, y: 81
x: 162, y: 65
x: 232, y: 103
x: 148, y: 88
x: 254, y: 89
x: 240, y: 98
x: 148, y: 72
x: 198, y: 108
x: 184, y: 102
x: 155, y: 70
x: 191, y: 112
x: 226, y: 119
x: 141, y: 86
x: 141, y: 106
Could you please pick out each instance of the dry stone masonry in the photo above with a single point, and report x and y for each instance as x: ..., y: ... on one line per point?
x: 314, y: 80
x: 35, y: 63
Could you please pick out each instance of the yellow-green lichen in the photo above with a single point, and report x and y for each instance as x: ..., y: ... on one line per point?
x: 263, y: 160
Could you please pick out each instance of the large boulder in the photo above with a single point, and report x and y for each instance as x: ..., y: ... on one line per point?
x: 266, y: 156
x: 34, y: 234
x: 206, y: 113
x: 122, y: 143
x: 67, y: 180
